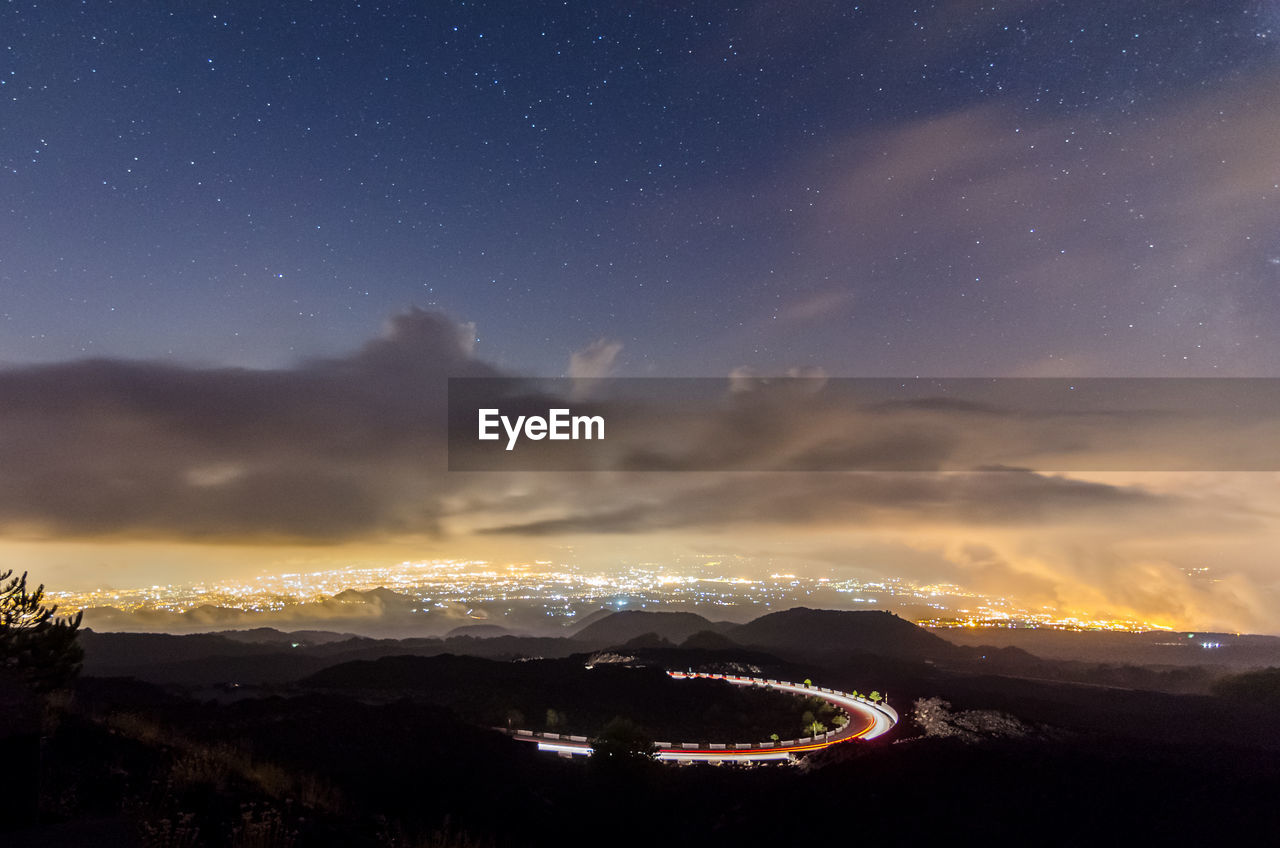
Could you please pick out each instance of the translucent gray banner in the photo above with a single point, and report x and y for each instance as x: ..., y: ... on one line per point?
x: 872, y: 424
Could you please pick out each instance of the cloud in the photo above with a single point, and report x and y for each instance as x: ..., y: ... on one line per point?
x: 356, y: 448
x: 332, y: 449
x: 863, y: 499
x: 820, y: 305
x: 353, y: 450
x: 374, y: 612
x: 1075, y: 546
x: 994, y: 239
x: 749, y: 422
x: 592, y: 364
x: 595, y: 360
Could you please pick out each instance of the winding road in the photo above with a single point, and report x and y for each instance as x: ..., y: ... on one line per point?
x: 867, y: 720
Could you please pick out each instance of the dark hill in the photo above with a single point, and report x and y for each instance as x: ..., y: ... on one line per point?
x: 411, y: 673
x: 708, y: 640
x: 1262, y: 686
x: 622, y: 627
x: 565, y: 696
x: 205, y: 659
x: 647, y: 640
x: 115, y: 653
x: 837, y: 631
x: 270, y: 635
x: 589, y: 619
x: 480, y: 631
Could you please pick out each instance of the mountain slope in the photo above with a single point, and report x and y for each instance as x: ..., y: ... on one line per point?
x: 831, y: 630
x: 622, y: 627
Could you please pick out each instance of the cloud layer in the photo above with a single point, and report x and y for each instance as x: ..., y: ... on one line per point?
x: 331, y: 449
x: 353, y: 450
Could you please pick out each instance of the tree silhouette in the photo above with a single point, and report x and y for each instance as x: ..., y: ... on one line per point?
x: 36, y: 646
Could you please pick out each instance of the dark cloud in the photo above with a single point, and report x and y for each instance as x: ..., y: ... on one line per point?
x: 332, y: 449
x: 354, y: 449
x: 865, y: 500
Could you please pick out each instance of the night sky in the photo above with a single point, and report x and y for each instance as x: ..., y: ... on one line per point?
x: 886, y: 188
x: 237, y: 241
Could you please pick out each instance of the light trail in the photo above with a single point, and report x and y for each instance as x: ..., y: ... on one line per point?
x: 878, y: 718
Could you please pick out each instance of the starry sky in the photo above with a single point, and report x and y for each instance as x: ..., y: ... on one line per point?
x: 885, y: 188
x: 231, y: 232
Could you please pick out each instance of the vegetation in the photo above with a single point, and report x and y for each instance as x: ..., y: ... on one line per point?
x: 36, y: 646
x: 561, y: 696
x: 1261, y: 686
x: 39, y: 656
x: 622, y: 740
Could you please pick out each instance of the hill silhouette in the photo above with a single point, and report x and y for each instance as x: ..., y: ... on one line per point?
x: 812, y: 630
x: 486, y: 693
x: 708, y: 640
x: 390, y: 742
x: 589, y: 619
x: 210, y: 658
x: 622, y: 627
x: 271, y: 656
x: 480, y: 631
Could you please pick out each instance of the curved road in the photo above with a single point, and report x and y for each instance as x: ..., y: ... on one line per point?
x: 867, y: 720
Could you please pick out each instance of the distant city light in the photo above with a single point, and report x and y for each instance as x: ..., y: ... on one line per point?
x: 566, y: 591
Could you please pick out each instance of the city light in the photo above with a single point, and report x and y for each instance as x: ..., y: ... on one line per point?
x: 565, y: 591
